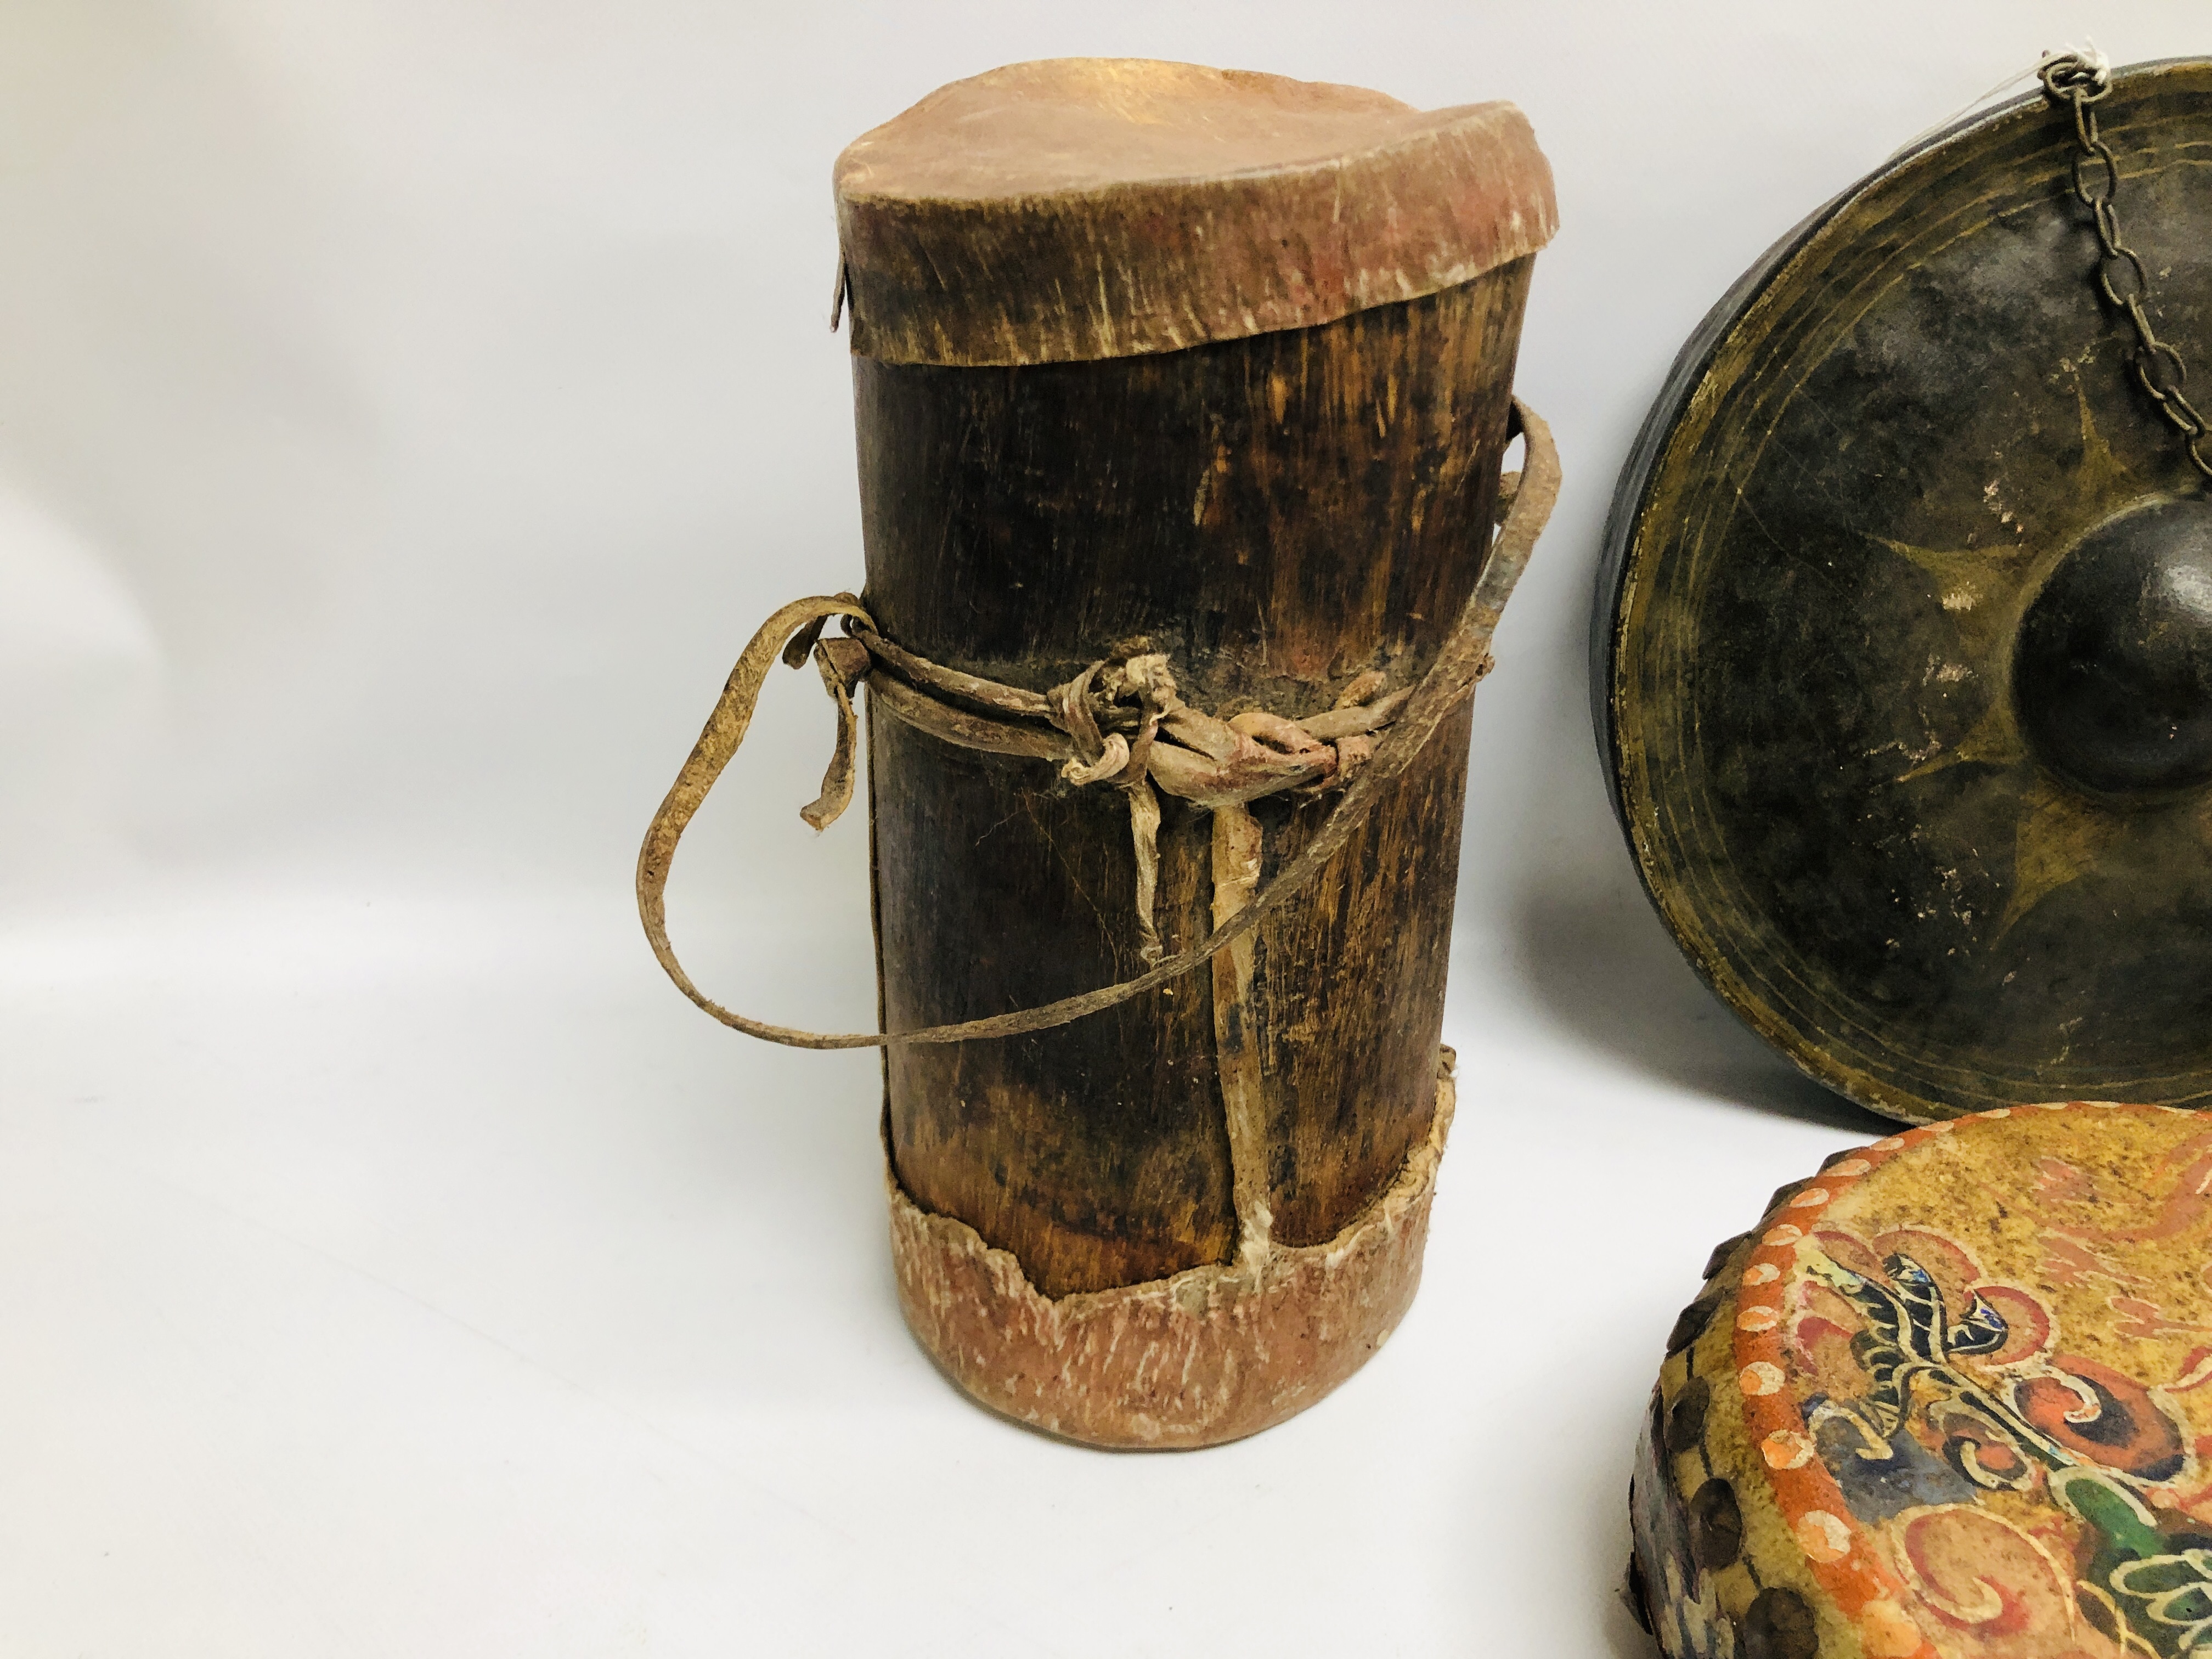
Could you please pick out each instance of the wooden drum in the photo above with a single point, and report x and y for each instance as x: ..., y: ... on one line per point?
x: 1182, y: 396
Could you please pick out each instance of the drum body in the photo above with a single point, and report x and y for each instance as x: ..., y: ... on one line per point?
x: 1181, y: 1219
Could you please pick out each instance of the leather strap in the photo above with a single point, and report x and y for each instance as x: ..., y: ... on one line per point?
x: 793, y: 631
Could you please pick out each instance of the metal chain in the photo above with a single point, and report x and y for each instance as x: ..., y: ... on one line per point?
x: 2072, y: 82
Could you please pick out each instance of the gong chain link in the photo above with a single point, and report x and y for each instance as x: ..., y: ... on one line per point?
x: 2073, y: 83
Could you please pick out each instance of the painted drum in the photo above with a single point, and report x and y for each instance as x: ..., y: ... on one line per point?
x: 1952, y: 1396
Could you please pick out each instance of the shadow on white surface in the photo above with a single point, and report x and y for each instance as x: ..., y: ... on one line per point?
x: 1601, y: 965
x: 1624, y: 1639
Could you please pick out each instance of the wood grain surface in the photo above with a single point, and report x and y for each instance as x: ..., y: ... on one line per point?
x: 1279, y: 514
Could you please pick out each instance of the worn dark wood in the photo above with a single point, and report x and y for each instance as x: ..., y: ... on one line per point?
x: 1278, y: 513
x: 1904, y: 650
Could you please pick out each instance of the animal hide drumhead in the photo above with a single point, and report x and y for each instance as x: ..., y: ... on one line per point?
x: 1903, y: 650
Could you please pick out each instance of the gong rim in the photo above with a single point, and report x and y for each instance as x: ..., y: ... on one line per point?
x: 1858, y: 1048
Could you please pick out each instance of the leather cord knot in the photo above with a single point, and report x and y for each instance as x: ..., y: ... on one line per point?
x: 1121, y: 721
x: 1136, y: 678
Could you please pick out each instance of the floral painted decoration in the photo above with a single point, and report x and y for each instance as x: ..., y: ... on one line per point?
x: 1950, y: 1399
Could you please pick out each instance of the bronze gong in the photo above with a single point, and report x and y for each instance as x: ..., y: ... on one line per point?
x: 1903, y: 653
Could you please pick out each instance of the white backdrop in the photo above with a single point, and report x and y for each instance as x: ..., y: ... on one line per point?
x: 407, y: 409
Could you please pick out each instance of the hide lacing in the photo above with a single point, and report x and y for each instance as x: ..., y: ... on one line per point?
x: 1120, y: 722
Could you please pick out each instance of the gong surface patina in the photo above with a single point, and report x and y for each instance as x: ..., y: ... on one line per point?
x: 1951, y: 1398
x: 1904, y: 653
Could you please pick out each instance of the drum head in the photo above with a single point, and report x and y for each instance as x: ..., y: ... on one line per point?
x: 1903, y: 641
